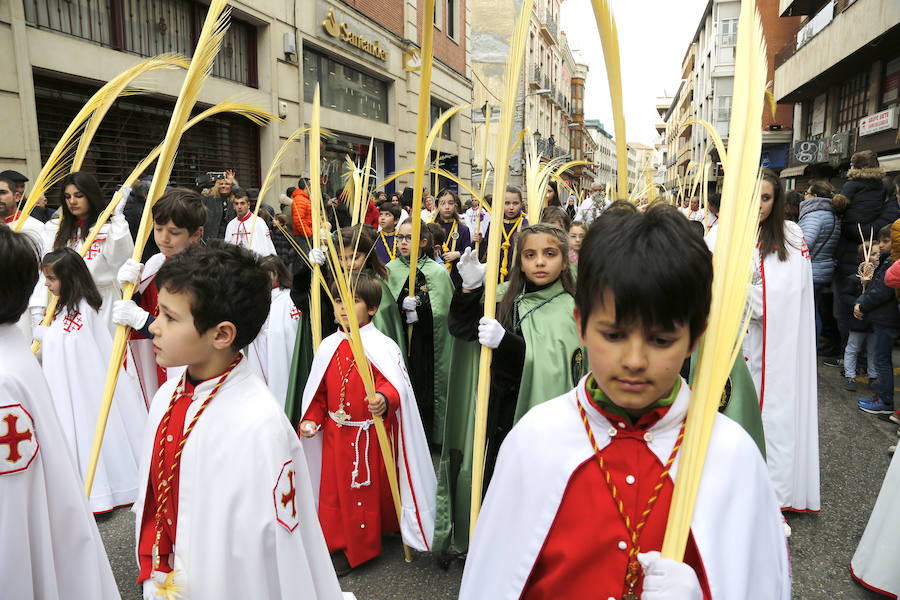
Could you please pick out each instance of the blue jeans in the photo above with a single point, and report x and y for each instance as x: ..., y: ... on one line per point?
x: 884, y: 345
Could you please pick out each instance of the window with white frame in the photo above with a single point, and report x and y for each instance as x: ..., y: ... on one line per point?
x: 728, y: 32
x: 722, y: 109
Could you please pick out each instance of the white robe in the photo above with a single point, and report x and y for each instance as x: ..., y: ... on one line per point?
x: 712, y: 234
x: 50, y: 548
x: 471, y: 220
x: 237, y: 535
x: 781, y: 354
x: 238, y: 233
x: 736, y: 524
x: 270, y: 354
x: 875, y: 560
x: 75, y: 363
x: 417, y: 481
x: 111, y: 248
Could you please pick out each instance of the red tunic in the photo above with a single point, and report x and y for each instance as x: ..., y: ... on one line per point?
x: 173, y: 434
x: 585, y: 554
x: 353, y: 518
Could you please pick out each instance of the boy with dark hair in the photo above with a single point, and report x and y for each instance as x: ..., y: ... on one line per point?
x: 386, y: 242
x: 246, y: 230
x: 178, y: 220
x: 50, y: 545
x: 348, y: 471
x: 224, y: 503
x: 579, y: 500
x: 879, y: 306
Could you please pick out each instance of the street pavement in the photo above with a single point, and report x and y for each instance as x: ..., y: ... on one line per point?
x: 853, y: 456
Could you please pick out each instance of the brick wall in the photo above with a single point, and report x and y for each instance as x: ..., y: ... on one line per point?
x: 451, y: 51
x: 779, y: 32
x: 387, y: 13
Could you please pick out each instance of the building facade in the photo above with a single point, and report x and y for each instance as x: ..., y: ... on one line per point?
x: 678, y: 131
x: 272, y: 57
x: 840, y: 74
x: 605, y: 154
x: 544, y: 97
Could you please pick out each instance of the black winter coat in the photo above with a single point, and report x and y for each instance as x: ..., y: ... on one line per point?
x: 850, y: 291
x: 879, y: 304
x: 865, y: 191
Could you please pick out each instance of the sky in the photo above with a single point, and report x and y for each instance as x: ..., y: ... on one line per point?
x: 653, y: 38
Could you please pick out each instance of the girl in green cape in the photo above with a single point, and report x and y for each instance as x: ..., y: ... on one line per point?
x: 426, y: 317
x: 537, y: 356
x: 357, y: 247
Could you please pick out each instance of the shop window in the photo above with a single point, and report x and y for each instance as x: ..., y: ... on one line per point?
x: 853, y: 101
x: 344, y: 88
x: 148, y: 28
x: 890, y: 85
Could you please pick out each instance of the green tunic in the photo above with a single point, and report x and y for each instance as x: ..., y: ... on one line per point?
x: 739, y: 401
x: 554, y: 362
x: 388, y: 320
x: 439, y: 290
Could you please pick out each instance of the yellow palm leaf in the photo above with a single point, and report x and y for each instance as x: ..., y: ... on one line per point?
x: 609, y: 39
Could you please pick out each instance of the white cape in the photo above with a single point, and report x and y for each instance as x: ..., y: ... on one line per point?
x: 875, y: 560
x: 780, y: 348
x: 736, y: 524
x: 247, y: 524
x: 75, y: 363
x: 50, y: 548
x: 238, y: 233
x: 270, y: 354
x: 34, y: 229
x: 111, y: 248
x: 418, y: 483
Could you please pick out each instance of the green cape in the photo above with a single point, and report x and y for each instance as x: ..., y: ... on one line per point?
x: 388, y: 320
x: 554, y: 361
x: 740, y: 402
x: 440, y: 292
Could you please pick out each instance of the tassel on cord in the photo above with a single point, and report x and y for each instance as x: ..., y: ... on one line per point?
x: 738, y: 225
x: 208, y: 44
x: 501, y: 172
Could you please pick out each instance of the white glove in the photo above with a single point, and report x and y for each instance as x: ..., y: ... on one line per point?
x: 471, y: 270
x: 316, y: 257
x: 409, y: 307
x: 126, y: 312
x: 490, y: 332
x: 37, y: 316
x: 38, y: 332
x: 130, y: 272
x: 666, y: 579
x: 284, y: 200
x: 149, y: 585
x: 119, y: 210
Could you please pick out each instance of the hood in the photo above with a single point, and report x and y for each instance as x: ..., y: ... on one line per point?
x: 866, y: 174
x: 814, y: 204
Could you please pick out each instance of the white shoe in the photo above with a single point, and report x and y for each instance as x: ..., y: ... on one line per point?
x: 787, y: 528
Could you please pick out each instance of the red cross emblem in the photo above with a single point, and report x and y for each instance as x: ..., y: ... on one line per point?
x: 72, y: 322
x: 18, y: 435
x: 285, y: 495
x: 295, y: 313
x: 94, y: 251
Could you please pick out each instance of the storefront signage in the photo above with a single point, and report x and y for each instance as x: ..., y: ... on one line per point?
x: 810, y: 152
x: 351, y: 33
x: 880, y: 121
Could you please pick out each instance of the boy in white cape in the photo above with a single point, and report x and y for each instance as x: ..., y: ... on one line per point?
x: 178, y: 219
x: 579, y: 500
x: 351, y: 487
x: 225, y: 510
x: 50, y: 548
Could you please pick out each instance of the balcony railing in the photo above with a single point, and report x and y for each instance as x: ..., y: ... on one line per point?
x: 812, y: 28
x: 548, y: 26
x: 536, y: 80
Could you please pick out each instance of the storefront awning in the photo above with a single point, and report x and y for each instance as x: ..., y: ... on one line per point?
x: 889, y: 163
x: 793, y: 171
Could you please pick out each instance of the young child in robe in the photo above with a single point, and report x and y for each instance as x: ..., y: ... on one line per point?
x: 604, y: 448
x: 224, y: 509
x: 426, y: 314
x: 457, y: 236
x: 270, y: 353
x: 348, y: 469
x: 50, y: 543
x: 514, y: 220
x: 178, y: 219
x: 76, y: 349
x: 576, y: 236
x: 537, y: 355
x: 386, y: 241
